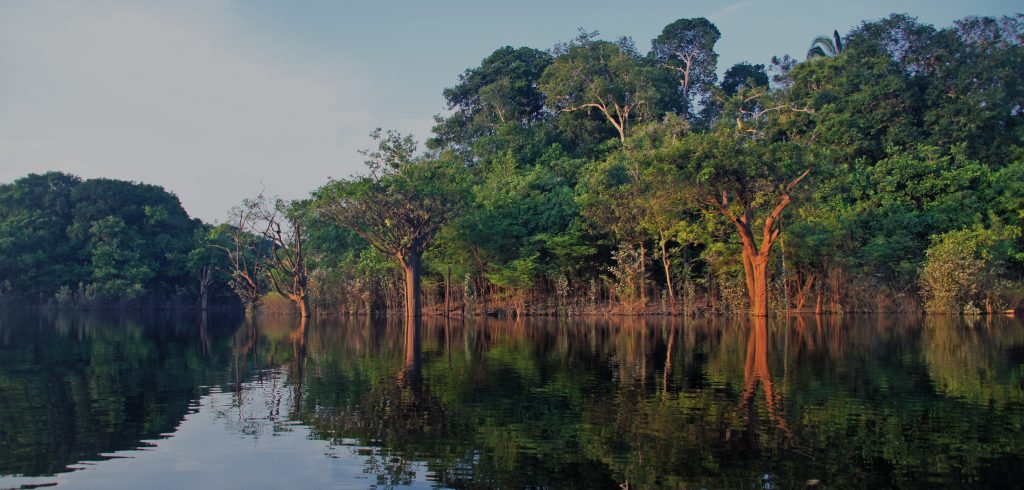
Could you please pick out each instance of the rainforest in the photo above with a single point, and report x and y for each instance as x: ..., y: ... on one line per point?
x: 881, y: 172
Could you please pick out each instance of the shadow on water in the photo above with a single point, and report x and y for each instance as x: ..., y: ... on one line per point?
x: 633, y: 402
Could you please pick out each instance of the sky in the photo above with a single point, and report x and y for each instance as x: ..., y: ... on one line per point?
x: 218, y: 100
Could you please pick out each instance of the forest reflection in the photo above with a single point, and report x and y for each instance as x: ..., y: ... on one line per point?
x: 643, y: 402
x: 663, y: 402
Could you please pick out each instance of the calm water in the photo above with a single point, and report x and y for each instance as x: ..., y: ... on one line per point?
x: 162, y: 402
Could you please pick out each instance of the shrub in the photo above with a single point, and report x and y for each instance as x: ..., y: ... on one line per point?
x: 963, y: 270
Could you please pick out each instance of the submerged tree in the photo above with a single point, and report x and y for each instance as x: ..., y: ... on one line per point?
x: 400, y: 206
x: 746, y: 173
x: 281, y: 225
x: 204, y: 260
x: 246, y: 257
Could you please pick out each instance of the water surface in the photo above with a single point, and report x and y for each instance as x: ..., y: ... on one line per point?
x: 108, y: 401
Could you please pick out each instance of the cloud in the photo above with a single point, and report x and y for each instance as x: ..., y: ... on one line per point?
x: 736, y: 8
x: 191, y: 98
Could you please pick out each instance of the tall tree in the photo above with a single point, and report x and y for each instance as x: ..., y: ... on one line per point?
x: 204, y: 260
x: 502, y: 89
x: 747, y: 172
x: 281, y: 225
x: 610, y: 77
x: 686, y: 47
x: 400, y: 206
x: 247, y: 253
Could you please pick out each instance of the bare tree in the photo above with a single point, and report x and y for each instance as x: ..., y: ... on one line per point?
x: 246, y: 253
x: 282, y: 225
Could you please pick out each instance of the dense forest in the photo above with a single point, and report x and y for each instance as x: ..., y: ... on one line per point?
x: 884, y: 172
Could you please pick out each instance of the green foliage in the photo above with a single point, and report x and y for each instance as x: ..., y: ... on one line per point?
x: 743, y: 74
x: 402, y: 203
x: 964, y: 269
x: 612, y: 78
x: 110, y: 240
x: 686, y: 48
x: 117, y: 268
x: 502, y: 89
x: 549, y: 165
x: 519, y: 275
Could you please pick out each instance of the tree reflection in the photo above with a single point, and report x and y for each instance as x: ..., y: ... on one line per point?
x: 588, y: 402
x: 757, y: 373
x: 76, y: 388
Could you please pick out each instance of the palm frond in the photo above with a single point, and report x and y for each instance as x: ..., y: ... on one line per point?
x: 816, y: 52
x: 825, y: 46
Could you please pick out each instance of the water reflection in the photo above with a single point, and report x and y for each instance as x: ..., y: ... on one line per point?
x: 876, y: 401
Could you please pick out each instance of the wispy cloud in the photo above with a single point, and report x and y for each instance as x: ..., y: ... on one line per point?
x: 736, y: 8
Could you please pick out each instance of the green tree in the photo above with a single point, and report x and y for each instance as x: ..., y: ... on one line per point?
x: 686, y: 47
x: 747, y: 173
x: 400, y: 206
x: 206, y: 261
x: 57, y: 229
x: 501, y: 90
x: 609, y: 77
x: 118, y: 270
x: 964, y: 270
x: 743, y: 74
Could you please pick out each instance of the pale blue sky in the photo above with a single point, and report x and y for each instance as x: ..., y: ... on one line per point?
x: 218, y: 99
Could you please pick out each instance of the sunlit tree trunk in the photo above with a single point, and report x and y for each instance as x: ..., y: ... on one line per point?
x: 755, y: 255
x: 668, y: 277
x: 304, y: 310
x: 411, y: 267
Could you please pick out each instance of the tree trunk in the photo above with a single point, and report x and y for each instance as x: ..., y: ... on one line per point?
x: 204, y: 296
x: 755, y: 267
x: 643, y: 275
x: 303, y: 302
x: 668, y: 279
x: 205, y: 279
x: 782, y: 256
x: 759, y: 296
x: 482, y: 290
x: 411, y: 266
x: 448, y: 293
x: 755, y: 258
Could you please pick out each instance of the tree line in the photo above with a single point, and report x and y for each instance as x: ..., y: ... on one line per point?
x: 884, y: 172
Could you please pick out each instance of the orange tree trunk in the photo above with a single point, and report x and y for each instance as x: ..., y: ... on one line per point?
x: 759, y: 295
x: 303, y: 303
x: 755, y: 255
x: 755, y: 268
x: 668, y: 278
x: 411, y: 266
